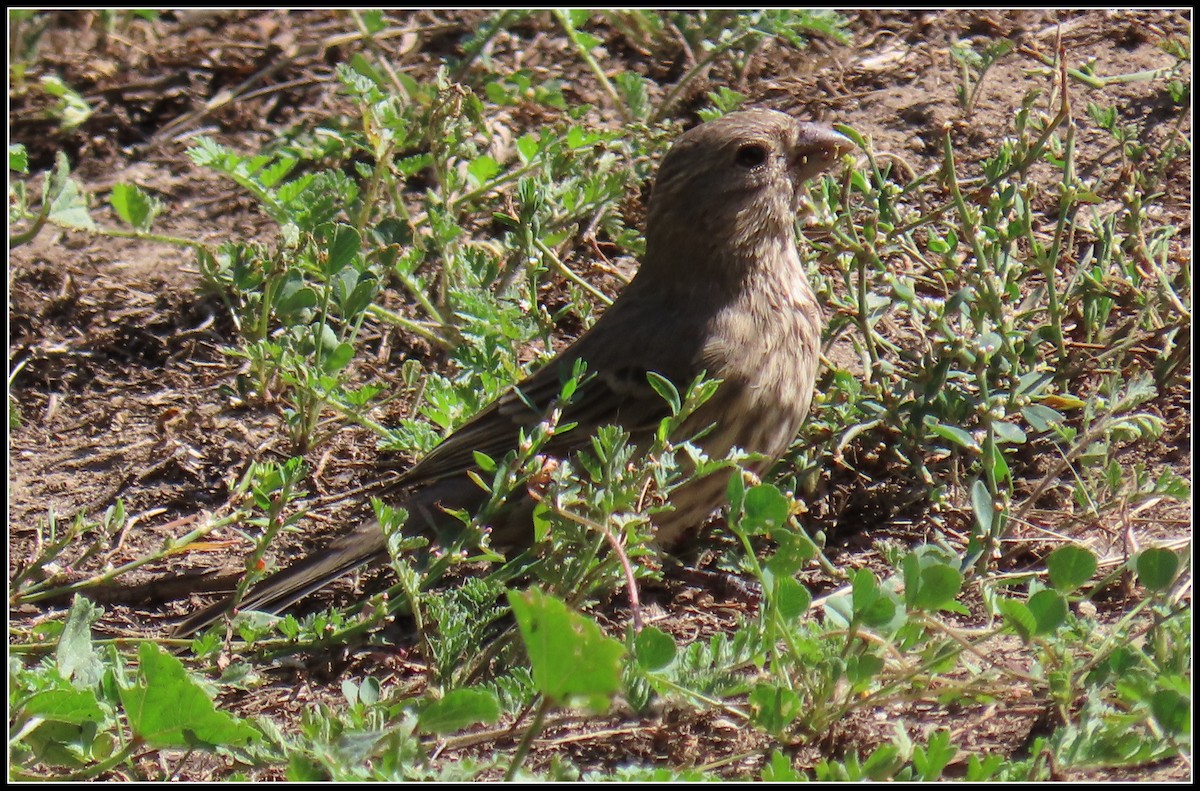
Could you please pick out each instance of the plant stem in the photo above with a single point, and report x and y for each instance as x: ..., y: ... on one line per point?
x: 568, y: 27
x: 534, y: 729
x: 566, y: 272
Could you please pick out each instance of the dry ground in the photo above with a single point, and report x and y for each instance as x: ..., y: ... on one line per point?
x: 123, y: 391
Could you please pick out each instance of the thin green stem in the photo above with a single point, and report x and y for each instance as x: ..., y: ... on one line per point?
x: 523, y: 746
x: 171, y: 547
x: 566, y: 272
x: 27, y: 235
x: 568, y: 27
x: 1092, y: 81
x: 416, y: 328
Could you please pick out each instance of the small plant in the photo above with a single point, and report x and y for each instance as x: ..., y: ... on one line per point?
x: 85, y: 712
x: 974, y: 65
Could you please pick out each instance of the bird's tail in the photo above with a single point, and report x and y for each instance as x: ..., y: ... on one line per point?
x: 284, y: 588
x: 366, y: 544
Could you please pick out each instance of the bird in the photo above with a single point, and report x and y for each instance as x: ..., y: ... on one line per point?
x: 720, y: 291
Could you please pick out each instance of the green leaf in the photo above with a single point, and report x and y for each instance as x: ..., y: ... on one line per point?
x: 789, y: 597
x: 935, y: 756
x: 989, y: 342
x: 76, y: 657
x: 541, y: 522
x: 360, y: 64
x: 133, y: 206
x: 665, y: 388
x: 1018, y: 616
x: 74, y: 706
x: 1041, y: 418
x: 872, y: 605
x: 778, y: 769
x: 862, y: 669
x: 1172, y: 710
x: 302, y: 769
x: 774, y: 707
x: 460, y: 708
x: 72, y: 109
x: 587, y: 40
x: 735, y: 493
x: 355, y: 291
x: 953, y: 434
x: 342, y: 248
x: 366, y: 693
x: 1156, y: 568
x: 68, y: 203
x: 527, y: 147
x: 337, y: 358
x: 18, y: 158
x: 1008, y: 432
x: 981, y: 502
x: 632, y: 88
x: 1049, y: 610
x: 167, y: 708
x: 931, y: 586
x: 883, y: 763
x: 572, y: 658
x: 294, y: 299
x: 795, y: 549
x: 983, y: 768
x: 374, y: 20
x: 993, y: 460
x: 765, y: 508
x: 654, y: 648
x: 1070, y: 566
x: 481, y: 169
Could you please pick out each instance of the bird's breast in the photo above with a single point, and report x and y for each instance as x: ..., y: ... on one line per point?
x: 765, y: 347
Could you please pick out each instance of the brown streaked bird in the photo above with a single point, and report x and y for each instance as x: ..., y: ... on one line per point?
x: 721, y: 289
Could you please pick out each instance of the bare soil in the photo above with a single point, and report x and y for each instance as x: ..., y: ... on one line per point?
x: 125, y: 392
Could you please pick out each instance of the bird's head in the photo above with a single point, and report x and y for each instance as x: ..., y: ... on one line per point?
x: 735, y: 181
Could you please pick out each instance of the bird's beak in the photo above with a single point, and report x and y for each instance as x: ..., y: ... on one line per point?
x: 816, y: 150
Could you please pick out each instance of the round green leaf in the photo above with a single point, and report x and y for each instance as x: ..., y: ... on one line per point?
x: 1156, y: 568
x: 774, y: 707
x: 790, y: 598
x: 939, y: 584
x: 1049, y: 610
x: 1070, y: 566
x: 795, y: 549
x: 338, y: 358
x: 766, y: 508
x: 654, y: 648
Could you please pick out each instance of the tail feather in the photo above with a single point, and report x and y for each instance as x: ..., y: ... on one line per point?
x: 365, y: 545
x: 284, y: 588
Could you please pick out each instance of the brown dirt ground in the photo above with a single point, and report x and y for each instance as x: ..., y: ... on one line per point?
x: 124, y: 392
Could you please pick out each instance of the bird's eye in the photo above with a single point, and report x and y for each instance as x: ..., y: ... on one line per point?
x: 751, y: 155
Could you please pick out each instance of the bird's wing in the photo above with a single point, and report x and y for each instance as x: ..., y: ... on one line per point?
x: 615, y: 391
